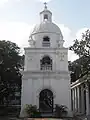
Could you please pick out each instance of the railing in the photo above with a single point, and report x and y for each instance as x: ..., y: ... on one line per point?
x: 46, y: 67
x: 46, y: 44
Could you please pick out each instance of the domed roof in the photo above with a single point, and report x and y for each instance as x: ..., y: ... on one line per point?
x: 46, y: 26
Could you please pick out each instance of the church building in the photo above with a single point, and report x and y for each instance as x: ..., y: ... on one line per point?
x: 46, y: 79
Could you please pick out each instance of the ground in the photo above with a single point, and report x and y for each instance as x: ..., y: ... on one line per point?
x: 8, y: 118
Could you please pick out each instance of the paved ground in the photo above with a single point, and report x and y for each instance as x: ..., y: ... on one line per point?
x: 8, y: 118
x: 4, y: 118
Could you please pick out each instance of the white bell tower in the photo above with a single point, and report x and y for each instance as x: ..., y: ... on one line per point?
x: 46, y: 79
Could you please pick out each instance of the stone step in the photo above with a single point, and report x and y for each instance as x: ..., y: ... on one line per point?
x: 47, y: 115
x: 47, y: 119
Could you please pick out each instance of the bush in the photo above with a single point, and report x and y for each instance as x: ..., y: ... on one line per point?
x: 3, y: 111
x: 61, y: 111
x: 9, y: 110
x: 32, y: 111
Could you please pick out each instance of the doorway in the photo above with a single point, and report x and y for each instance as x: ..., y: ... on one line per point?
x: 46, y: 101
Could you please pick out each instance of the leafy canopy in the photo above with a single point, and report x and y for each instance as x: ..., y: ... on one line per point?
x: 11, y: 62
x: 81, y: 47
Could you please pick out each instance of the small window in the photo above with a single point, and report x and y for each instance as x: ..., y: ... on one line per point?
x: 45, y: 17
x: 46, y: 41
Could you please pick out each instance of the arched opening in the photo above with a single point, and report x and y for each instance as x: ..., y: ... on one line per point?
x: 46, y: 101
x: 46, y: 41
x: 45, y: 17
x: 46, y: 63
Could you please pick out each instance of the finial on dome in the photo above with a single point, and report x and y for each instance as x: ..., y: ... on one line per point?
x: 45, y: 5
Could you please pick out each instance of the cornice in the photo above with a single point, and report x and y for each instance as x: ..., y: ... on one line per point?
x: 46, y: 72
x: 79, y: 81
x: 46, y: 75
x: 29, y: 48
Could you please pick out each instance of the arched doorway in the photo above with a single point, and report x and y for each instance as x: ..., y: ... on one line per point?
x: 46, y: 101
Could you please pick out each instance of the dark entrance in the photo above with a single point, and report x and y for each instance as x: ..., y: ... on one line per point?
x: 46, y: 101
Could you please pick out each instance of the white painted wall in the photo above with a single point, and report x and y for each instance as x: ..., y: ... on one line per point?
x: 59, y: 87
x: 33, y: 57
x: 39, y: 39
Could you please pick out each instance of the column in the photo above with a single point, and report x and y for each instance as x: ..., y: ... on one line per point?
x: 89, y: 96
x: 78, y: 90
x: 72, y: 99
x: 77, y: 99
x: 33, y: 97
x: 87, y: 99
x: 82, y: 99
x: 80, y: 104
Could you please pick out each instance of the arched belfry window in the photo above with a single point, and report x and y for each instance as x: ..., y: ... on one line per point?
x: 46, y: 41
x: 46, y: 63
x: 45, y: 17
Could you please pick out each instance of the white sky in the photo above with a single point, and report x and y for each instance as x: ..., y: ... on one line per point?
x: 18, y: 31
x: 44, y: 0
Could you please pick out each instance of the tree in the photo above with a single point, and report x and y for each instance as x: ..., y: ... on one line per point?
x: 10, y: 66
x: 82, y: 48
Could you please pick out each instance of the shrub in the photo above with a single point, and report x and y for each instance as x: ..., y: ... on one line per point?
x: 61, y: 111
x: 32, y: 111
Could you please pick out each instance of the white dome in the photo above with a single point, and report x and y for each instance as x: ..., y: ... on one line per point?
x: 46, y: 26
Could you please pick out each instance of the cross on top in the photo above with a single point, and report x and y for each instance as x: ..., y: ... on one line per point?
x: 45, y: 5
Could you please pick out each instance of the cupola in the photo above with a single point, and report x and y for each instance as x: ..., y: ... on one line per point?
x: 45, y: 15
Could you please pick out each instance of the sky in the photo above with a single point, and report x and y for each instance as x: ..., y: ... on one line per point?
x: 18, y: 17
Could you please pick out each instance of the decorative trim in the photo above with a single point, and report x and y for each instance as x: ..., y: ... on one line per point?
x: 45, y: 54
x: 59, y: 77
x: 46, y: 72
x: 45, y: 87
x: 29, y: 48
x: 29, y: 57
x: 34, y: 33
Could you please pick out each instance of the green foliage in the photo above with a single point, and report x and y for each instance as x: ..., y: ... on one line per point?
x: 80, y: 66
x: 32, y: 111
x: 61, y: 111
x: 9, y: 110
x: 82, y: 47
x: 10, y: 66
